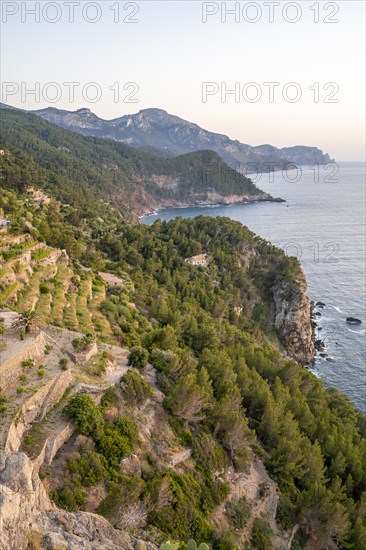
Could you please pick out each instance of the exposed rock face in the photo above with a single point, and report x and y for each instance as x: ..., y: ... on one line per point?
x: 80, y: 530
x: 176, y: 136
x: 293, y: 320
x: 26, y: 510
x: 131, y: 466
x: 22, y: 499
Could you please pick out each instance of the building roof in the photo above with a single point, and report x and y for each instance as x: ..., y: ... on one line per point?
x: 199, y: 258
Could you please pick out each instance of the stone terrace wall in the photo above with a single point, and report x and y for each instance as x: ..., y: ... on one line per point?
x: 38, y: 405
x: 52, y: 445
x: 11, y: 369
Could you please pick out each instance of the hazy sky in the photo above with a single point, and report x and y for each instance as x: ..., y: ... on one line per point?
x: 170, y: 53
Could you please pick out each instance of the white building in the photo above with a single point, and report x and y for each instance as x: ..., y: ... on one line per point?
x: 201, y: 259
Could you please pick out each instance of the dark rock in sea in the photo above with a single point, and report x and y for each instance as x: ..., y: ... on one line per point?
x: 319, y: 345
x: 318, y: 314
x: 320, y: 305
x: 353, y: 321
x: 323, y: 355
x: 320, y: 328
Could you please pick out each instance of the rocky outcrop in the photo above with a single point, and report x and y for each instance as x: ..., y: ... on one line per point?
x: 131, y: 466
x: 22, y: 499
x: 293, y: 319
x: 26, y: 513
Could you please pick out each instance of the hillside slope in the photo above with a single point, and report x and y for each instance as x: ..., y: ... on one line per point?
x: 89, y: 171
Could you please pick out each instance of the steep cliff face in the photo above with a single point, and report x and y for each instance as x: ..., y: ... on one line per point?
x: 22, y: 500
x: 293, y: 319
x: 28, y: 516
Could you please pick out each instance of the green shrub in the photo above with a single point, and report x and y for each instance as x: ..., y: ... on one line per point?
x: 41, y: 371
x: 85, y: 414
x: 109, y: 398
x: 40, y: 254
x: 70, y: 497
x: 8, y: 291
x: 223, y: 541
x: 238, y: 512
x: 286, y: 513
x: 44, y: 288
x: 134, y: 388
x: 261, y: 535
x: 185, y: 518
x: 209, y: 453
x: 82, y: 343
x: 138, y: 357
x: 63, y: 363
x: 47, y: 349
x: 126, y: 426
x: 91, y: 468
x: 28, y: 439
x: 113, y: 446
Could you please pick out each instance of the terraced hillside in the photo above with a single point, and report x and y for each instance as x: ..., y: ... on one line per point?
x: 36, y: 277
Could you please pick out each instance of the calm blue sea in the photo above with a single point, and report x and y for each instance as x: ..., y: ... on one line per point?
x: 323, y: 224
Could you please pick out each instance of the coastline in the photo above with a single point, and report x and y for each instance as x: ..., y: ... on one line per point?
x: 177, y: 205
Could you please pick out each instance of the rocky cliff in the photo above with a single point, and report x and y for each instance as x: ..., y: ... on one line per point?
x: 293, y: 319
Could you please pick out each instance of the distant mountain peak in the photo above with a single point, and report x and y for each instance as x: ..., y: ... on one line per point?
x: 86, y: 111
x: 154, y: 110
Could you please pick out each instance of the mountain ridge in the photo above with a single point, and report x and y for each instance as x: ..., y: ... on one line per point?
x: 156, y: 130
x: 97, y: 169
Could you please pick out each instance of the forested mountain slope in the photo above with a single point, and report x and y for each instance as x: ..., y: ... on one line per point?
x: 89, y: 171
x: 212, y: 383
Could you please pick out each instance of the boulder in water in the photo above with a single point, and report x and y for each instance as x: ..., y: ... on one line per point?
x: 353, y: 321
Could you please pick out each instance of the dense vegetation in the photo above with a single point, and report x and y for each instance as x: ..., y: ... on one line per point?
x: 222, y: 375
x: 89, y: 171
x: 228, y: 390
